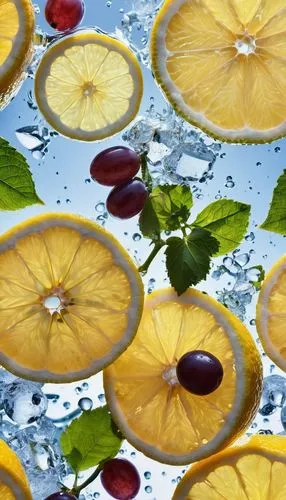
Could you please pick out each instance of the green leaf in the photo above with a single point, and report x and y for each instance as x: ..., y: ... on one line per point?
x: 90, y: 439
x: 188, y: 259
x: 276, y: 218
x: 17, y: 188
x: 227, y: 220
x: 166, y: 209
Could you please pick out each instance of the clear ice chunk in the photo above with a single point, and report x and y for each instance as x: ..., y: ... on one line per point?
x: 24, y: 402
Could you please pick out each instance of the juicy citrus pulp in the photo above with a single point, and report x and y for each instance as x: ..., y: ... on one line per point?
x: 221, y: 65
x: 70, y: 298
x: 16, y: 32
x: 89, y: 86
x: 154, y: 412
x: 271, y: 313
x: 254, y: 471
x: 13, y: 481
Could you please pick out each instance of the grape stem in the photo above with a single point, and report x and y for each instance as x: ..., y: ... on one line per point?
x: 157, y: 247
x: 77, y: 489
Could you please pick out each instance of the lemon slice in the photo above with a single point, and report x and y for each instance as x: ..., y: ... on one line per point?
x: 255, y: 471
x: 89, y: 86
x: 13, y: 481
x: 70, y: 298
x: 271, y: 313
x: 155, y: 413
x: 16, y: 34
x: 221, y: 64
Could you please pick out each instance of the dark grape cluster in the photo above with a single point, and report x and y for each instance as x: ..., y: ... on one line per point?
x: 117, y: 167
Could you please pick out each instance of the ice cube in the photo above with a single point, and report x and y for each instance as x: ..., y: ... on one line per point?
x: 24, y: 402
x: 274, y: 390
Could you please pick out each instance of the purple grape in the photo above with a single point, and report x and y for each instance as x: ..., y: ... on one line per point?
x: 114, y: 166
x: 64, y: 15
x: 120, y: 479
x: 127, y: 199
x: 199, y: 372
x: 61, y: 495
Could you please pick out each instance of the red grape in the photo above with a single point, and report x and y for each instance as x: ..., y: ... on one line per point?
x: 120, y: 479
x: 127, y: 199
x: 61, y: 495
x: 199, y: 372
x: 64, y: 15
x: 114, y: 166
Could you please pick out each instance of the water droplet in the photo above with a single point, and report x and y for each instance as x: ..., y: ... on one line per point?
x: 258, y: 164
x: 101, y: 398
x: 85, y: 404
x: 85, y: 386
x: 229, y: 182
x: 108, y: 4
x: 147, y: 475
x: 100, y: 207
x: 78, y: 390
x: 136, y: 237
x: 87, y: 181
x: 252, y: 322
x: 277, y: 149
x: 250, y: 237
x: 67, y: 405
x: 148, y: 489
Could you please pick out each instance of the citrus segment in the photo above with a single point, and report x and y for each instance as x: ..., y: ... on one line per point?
x: 89, y: 86
x: 70, y: 298
x: 252, y: 471
x: 156, y: 414
x: 271, y: 313
x: 13, y: 481
x: 220, y: 63
x: 16, y: 33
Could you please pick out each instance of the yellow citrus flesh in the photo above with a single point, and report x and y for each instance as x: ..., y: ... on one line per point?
x: 221, y: 65
x: 13, y: 481
x: 254, y: 471
x: 271, y: 313
x: 70, y: 298
x: 16, y: 33
x: 89, y: 86
x: 155, y: 413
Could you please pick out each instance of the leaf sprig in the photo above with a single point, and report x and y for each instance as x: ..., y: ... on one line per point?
x: 217, y: 230
x: 17, y: 188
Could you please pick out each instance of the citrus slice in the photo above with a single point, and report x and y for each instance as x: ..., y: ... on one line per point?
x: 221, y: 65
x: 13, y: 481
x: 16, y: 34
x: 254, y: 471
x: 155, y: 413
x: 70, y: 298
x: 271, y: 313
x: 89, y: 86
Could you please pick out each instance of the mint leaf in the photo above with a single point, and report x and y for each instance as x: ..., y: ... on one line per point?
x: 276, y: 218
x: 166, y: 209
x: 90, y: 439
x: 188, y: 259
x: 17, y: 188
x: 227, y: 220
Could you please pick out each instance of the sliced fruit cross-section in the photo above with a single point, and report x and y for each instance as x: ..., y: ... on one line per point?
x: 89, y: 86
x: 271, y: 313
x: 16, y: 34
x: 13, y: 481
x: 221, y: 64
x: 70, y: 298
x: 254, y: 471
x: 156, y: 414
